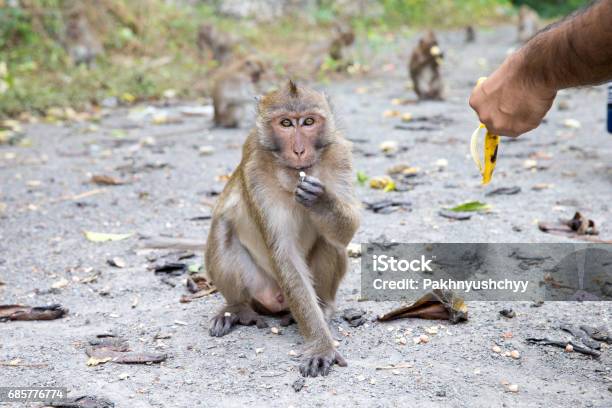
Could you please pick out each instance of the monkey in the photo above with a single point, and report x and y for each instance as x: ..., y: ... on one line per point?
x: 470, y: 34
x: 219, y: 44
x: 234, y: 90
x: 424, y: 67
x: 528, y: 23
x: 343, y: 37
x: 81, y: 43
x: 280, y: 228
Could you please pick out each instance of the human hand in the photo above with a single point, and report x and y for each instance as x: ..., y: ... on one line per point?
x: 510, y: 102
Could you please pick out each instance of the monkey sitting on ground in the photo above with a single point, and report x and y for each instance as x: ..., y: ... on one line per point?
x: 424, y: 68
x: 234, y: 91
x: 470, y: 34
x: 278, y: 237
x: 219, y: 44
x: 80, y: 40
x: 343, y: 37
x: 528, y: 23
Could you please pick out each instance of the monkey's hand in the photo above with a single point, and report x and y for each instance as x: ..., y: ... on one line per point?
x: 320, y: 363
x: 309, y: 191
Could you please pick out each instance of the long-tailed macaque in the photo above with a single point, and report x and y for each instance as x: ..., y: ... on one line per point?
x: 234, y: 92
x: 528, y: 23
x: 219, y: 44
x: 424, y: 68
x: 280, y: 228
x: 80, y: 40
x: 343, y: 37
x: 470, y: 34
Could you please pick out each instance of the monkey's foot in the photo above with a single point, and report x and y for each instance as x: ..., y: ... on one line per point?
x: 320, y: 363
x: 286, y: 320
x: 229, y: 317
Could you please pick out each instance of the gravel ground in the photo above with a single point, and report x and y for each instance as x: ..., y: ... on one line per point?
x: 170, y: 184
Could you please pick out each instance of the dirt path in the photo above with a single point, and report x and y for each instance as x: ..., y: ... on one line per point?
x: 170, y: 185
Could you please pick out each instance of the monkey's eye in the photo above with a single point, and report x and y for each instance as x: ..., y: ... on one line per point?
x: 286, y: 123
x: 308, y: 122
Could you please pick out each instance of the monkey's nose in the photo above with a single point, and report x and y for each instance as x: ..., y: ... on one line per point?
x: 299, y: 150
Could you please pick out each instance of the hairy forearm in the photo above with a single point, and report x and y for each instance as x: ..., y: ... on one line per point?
x: 574, y: 52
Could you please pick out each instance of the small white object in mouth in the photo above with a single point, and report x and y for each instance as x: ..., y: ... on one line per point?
x: 302, y: 175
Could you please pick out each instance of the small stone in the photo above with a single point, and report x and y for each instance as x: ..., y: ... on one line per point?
x: 402, y: 341
x: 515, y: 354
x: 361, y: 378
x: 117, y: 262
x: 569, y: 348
x: 124, y: 376
x: 513, y: 388
x: 259, y: 350
x: 206, y: 150
x: 292, y: 353
x: 60, y: 284
x: 496, y: 349
x: 424, y: 338
x: 431, y: 330
x: 416, y: 340
x: 275, y: 330
x: 298, y: 384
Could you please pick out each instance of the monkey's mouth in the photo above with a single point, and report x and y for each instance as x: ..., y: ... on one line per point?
x: 303, y: 167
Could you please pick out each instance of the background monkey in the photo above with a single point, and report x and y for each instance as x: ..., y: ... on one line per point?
x: 528, y: 23
x: 470, y: 34
x: 79, y: 39
x: 343, y: 37
x: 424, y: 68
x: 220, y: 44
x: 234, y: 92
x: 278, y: 241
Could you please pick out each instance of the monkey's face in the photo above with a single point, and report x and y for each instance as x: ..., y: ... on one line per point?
x: 298, y: 138
x: 255, y: 69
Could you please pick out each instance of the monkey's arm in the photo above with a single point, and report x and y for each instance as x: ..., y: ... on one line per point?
x: 575, y: 52
x: 336, y: 217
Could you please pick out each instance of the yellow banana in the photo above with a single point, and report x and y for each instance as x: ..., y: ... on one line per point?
x: 486, y: 164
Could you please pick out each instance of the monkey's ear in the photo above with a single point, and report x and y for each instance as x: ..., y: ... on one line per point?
x: 293, y: 89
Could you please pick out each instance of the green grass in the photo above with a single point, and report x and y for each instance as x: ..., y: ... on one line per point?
x: 162, y: 54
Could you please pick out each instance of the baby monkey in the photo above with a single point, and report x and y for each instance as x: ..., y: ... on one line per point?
x: 234, y: 91
x: 424, y: 68
x: 281, y: 226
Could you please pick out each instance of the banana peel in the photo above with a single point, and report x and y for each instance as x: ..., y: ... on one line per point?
x: 486, y: 162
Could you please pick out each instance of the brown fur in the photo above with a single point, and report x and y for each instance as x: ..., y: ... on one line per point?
x: 343, y: 37
x: 80, y: 40
x: 234, y: 90
x: 423, y: 63
x: 218, y: 44
x: 301, y: 249
x: 528, y: 23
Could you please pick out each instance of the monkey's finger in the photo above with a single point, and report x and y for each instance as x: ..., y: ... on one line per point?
x: 311, y: 188
x: 315, y: 365
x: 313, y: 181
x: 340, y: 360
x: 305, y: 198
x: 261, y: 324
x: 326, y: 367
